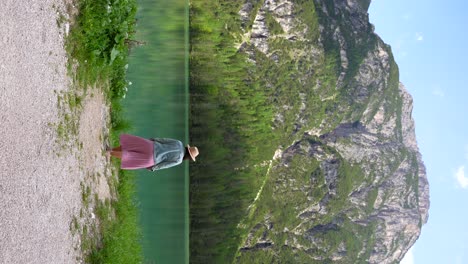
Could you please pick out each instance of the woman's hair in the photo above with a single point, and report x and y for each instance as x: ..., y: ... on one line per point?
x: 187, y: 155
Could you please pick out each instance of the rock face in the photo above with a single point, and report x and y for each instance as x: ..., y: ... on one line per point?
x: 350, y: 185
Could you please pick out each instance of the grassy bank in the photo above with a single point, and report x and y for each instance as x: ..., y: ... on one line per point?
x: 100, y: 38
x: 230, y: 120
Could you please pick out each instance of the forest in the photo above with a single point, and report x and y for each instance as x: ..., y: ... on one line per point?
x: 230, y: 121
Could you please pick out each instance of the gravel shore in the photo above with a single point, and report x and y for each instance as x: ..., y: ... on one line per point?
x: 40, y: 189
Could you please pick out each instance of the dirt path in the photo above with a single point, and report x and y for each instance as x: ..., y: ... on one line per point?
x: 41, y: 180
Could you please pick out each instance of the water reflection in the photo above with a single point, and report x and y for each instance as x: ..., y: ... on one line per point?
x: 156, y: 105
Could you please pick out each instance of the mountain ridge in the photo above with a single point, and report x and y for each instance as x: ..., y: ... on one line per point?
x: 363, y: 150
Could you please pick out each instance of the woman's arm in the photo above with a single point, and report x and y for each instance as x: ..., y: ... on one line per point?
x: 163, y: 140
x: 164, y: 165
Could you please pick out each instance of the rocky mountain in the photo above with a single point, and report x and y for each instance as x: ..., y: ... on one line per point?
x: 347, y: 183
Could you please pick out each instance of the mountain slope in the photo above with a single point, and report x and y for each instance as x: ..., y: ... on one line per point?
x: 347, y: 183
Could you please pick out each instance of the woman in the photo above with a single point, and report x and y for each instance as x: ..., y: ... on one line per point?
x: 152, y: 154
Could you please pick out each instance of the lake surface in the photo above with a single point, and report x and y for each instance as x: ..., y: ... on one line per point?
x: 157, y: 106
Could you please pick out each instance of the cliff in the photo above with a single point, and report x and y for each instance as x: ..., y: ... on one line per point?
x: 347, y: 183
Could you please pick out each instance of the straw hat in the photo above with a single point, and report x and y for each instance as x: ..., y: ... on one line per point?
x: 193, y: 151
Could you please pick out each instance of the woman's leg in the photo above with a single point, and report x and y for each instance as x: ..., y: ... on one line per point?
x: 116, y: 152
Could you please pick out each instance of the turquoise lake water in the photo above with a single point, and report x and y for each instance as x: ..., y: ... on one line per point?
x: 157, y: 106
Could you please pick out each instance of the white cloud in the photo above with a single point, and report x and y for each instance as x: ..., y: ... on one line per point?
x: 406, y: 16
x: 419, y: 36
x: 438, y: 92
x: 408, y: 258
x: 462, y: 180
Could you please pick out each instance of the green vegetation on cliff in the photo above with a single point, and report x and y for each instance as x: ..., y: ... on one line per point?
x: 232, y: 106
x: 230, y: 122
x: 291, y: 187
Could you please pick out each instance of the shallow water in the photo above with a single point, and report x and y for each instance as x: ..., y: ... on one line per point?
x: 157, y: 105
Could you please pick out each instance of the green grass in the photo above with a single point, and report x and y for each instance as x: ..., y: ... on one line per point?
x: 85, y: 195
x: 98, y: 45
x: 120, y: 233
x: 371, y: 198
x: 274, y: 27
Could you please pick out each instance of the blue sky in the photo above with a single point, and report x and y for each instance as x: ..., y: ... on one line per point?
x: 429, y: 40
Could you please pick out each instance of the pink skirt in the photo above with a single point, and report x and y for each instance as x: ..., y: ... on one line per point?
x: 137, y: 152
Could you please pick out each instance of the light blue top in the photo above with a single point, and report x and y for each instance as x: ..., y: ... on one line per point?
x: 167, y: 153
